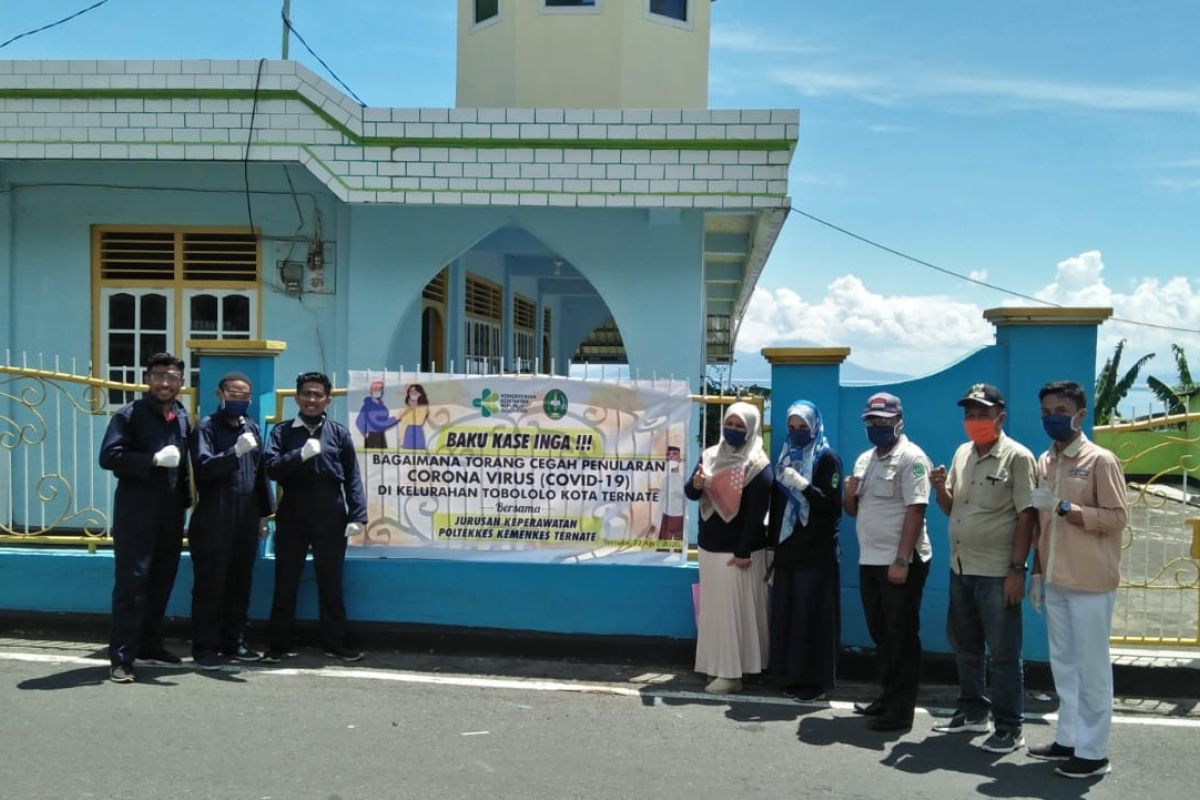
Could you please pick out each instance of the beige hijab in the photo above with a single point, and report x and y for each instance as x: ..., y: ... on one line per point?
x: 723, y: 461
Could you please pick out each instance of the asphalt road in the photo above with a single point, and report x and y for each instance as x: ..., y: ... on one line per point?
x: 403, y: 726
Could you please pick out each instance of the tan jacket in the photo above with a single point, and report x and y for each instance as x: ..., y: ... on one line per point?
x: 1085, y: 558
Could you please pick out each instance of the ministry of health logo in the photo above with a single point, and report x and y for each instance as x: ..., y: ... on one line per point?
x: 488, y: 402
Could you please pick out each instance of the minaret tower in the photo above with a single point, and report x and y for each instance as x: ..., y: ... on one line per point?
x: 583, y: 53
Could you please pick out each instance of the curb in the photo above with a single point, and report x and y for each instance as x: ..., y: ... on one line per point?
x: 1169, y: 679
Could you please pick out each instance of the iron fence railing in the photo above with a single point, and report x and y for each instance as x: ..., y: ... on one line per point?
x: 1158, y: 599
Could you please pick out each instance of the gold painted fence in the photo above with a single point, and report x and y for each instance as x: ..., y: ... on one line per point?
x: 1158, y: 599
x: 52, y: 490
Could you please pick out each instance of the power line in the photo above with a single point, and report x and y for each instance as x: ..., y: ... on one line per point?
x: 328, y: 69
x: 969, y: 279
x: 48, y: 26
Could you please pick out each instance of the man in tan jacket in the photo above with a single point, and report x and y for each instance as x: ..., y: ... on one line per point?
x: 1081, y: 513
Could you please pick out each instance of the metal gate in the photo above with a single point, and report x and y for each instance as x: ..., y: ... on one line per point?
x: 52, y: 490
x: 1158, y: 599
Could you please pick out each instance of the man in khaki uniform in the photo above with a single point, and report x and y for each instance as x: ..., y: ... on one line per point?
x: 1081, y: 513
x: 987, y: 494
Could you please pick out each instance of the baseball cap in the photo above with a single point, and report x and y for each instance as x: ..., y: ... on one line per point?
x: 984, y: 394
x: 882, y: 404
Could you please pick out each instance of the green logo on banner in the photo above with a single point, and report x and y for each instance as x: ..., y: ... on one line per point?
x: 488, y: 402
x: 555, y: 404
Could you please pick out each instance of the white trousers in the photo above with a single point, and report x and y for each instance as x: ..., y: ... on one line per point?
x: 1079, y: 625
x: 732, y: 639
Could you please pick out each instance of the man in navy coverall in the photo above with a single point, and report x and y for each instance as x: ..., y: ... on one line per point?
x: 145, y: 446
x: 312, y: 459
x: 234, y: 502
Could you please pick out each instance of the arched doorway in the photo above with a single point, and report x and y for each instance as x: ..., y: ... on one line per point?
x: 433, y: 339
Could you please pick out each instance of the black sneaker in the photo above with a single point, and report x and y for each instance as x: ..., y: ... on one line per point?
x: 803, y: 692
x: 1084, y: 767
x: 344, y: 653
x: 121, y: 673
x: 1052, y: 752
x: 161, y: 656
x: 208, y: 661
x: 961, y: 722
x: 871, y: 709
x: 1003, y: 741
x: 242, y: 652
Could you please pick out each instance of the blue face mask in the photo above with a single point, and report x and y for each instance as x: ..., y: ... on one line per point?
x: 800, y: 437
x: 235, y: 408
x: 733, y: 436
x: 1060, y: 427
x: 882, y: 437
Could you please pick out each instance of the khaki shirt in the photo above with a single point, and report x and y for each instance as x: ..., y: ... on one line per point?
x: 989, y: 491
x: 1085, y: 558
x: 887, y: 487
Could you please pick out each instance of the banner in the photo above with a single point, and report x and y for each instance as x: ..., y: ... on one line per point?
x: 526, y: 468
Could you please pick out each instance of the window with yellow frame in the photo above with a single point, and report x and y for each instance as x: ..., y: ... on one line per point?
x: 154, y: 288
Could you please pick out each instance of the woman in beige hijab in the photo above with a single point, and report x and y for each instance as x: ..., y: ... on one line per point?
x: 733, y: 483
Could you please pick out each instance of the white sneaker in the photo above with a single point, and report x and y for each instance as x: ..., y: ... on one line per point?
x: 723, y: 685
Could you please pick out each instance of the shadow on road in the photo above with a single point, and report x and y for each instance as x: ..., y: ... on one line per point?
x: 1012, y: 775
x: 80, y: 677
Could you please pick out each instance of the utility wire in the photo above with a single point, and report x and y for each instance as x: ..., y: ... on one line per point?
x: 969, y: 279
x: 328, y: 69
x: 48, y: 26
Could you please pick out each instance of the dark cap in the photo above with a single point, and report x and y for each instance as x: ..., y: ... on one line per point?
x: 983, y: 394
x: 882, y: 404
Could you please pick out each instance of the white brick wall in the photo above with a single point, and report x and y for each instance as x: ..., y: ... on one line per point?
x: 564, y: 159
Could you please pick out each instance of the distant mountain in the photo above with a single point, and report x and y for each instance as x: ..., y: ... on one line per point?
x: 753, y: 368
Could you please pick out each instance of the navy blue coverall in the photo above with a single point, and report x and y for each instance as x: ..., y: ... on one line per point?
x: 223, y: 530
x: 147, y: 528
x: 320, y: 496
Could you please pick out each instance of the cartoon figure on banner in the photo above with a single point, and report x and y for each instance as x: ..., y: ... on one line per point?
x: 671, y: 499
x: 374, y: 419
x: 413, y: 418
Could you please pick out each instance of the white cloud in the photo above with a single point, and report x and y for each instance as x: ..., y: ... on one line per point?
x: 1171, y: 302
x: 978, y: 274
x: 919, y: 334
x: 911, y: 334
x: 737, y: 39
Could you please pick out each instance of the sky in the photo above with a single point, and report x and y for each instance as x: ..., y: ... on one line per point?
x: 1052, y: 149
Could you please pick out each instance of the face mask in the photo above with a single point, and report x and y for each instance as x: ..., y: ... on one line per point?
x: 882, y: 437
x: 800, y: 437
x: 377, y: 395
x: 981, y: 431
x: 1060, y: 427
x: 733, y: 436
x: 235, y: 408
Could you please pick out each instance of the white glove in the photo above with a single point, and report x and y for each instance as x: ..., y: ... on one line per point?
x: 1043, y: 499
x: 793, y: 479
x: 311, y: 448
x: 167, y: 457
x: 1035, y: 592
x: 354, y: 529
x: 244, y: 444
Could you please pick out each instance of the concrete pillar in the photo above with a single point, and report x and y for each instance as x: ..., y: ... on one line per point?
x: 253, y: 357
x: 1039, y: 345
x: 804, y: 373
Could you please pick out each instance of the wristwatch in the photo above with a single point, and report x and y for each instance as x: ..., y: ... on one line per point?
x: 900, y: 561
x: 1017, y: 566
x: 1063, y: 508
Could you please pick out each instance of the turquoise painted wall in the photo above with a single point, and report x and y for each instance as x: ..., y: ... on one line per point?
x: 1024, y: 358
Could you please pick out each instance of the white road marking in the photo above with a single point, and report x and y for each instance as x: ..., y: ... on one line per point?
x: 543, y: 685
